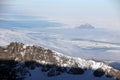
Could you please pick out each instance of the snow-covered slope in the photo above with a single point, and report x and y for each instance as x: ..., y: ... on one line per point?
x: 40, y: 63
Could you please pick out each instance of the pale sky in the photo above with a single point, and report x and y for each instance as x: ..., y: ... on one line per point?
x: 100, y: 13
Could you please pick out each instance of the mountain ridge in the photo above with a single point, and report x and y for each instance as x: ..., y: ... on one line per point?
x: 24, y: 53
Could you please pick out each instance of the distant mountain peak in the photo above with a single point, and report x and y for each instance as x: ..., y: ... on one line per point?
x: 86, y: 26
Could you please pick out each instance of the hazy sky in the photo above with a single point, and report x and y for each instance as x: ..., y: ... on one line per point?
x: 100, y: 13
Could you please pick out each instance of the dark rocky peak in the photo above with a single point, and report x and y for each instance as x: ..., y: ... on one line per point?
x: 21, y: 52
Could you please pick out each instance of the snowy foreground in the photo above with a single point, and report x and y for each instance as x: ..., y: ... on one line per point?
x: 29, y: 62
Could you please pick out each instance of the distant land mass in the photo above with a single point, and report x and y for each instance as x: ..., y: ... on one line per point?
x: 86, y: 26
